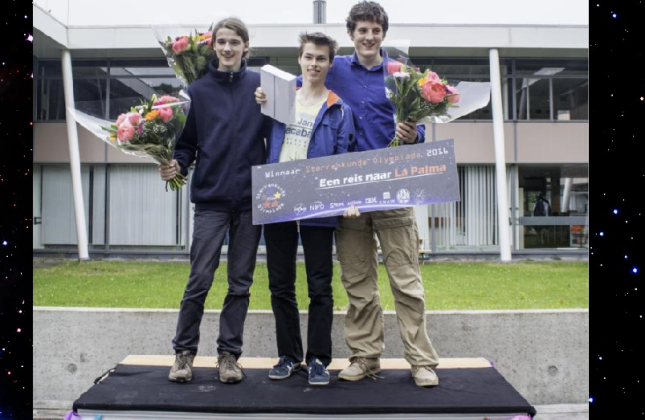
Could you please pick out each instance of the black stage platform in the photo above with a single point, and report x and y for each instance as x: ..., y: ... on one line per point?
x: 133, y: 390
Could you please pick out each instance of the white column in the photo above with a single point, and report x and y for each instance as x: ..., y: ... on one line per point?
x: 500, y: 158
x: 74, y: 156
x: 564, y: 205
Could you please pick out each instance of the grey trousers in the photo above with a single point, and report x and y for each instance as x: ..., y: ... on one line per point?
x: 209, y: 232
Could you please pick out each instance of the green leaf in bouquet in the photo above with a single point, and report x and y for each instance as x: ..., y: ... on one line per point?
x: 419, y: 114
x: 110, y: 129
x: 181, y: 118
x: 201, y: 63
x: 441, y: 108
x: 407, y: 87
x: 178, y: 70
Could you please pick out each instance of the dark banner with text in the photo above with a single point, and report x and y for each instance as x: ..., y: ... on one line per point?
x: 383, y: 179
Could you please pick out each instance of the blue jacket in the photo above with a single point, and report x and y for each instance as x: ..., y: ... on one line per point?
x: 333, y: 133
x: 224, y: 133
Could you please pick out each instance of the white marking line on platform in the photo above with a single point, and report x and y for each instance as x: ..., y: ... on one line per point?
x: 268, y: 362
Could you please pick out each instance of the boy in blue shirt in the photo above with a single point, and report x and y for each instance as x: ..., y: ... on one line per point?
x: 359, y: 80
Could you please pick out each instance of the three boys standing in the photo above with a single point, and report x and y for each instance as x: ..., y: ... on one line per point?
x: 218, y: 140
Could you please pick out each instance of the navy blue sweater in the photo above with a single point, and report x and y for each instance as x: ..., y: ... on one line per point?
x: 225, y: 133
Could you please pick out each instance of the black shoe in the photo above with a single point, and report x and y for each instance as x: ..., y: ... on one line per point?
x: 285, y: 367
x: 318, y: 374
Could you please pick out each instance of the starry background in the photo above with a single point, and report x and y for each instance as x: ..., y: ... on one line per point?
x: 617, y: 362
x: 15, y: 210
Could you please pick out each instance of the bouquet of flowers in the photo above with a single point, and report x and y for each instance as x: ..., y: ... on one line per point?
x: 150, y: 130
x: 188, y: 55
x: 418, y: 97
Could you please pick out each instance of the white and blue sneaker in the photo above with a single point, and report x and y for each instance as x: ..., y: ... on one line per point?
x: 318, y: 374
x: 285, y: 367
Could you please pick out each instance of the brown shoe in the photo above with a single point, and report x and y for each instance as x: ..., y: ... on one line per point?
x: 230, y: 372
x: 424, y: 376
x: 360, y: 368
x: 182, y: 369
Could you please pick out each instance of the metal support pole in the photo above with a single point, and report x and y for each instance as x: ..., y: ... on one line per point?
x: 500, y: 158
x: 74, y: 156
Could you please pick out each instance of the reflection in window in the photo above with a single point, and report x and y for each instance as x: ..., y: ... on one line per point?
x: 571, y: 99
x: 537, y: 67
x: 532, y: 98
x: 50, y: 100
x: 128, y: 92
x: 90, y: 96
x: 554, y: 203
x: 141, y: 71
x: 454, y: 66
x: 92, y: 68
x: 49, y: 69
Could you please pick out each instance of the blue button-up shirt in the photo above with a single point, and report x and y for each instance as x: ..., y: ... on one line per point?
x: 364, y: 91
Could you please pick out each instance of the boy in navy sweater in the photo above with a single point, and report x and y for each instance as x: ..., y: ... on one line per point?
x: 224, y: 133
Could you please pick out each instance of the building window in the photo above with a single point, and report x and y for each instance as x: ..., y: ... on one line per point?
x: 551, y: 67
x: 553, y: 204
x: 571, y: 99
x: 50, y: 100
x: 90, y: 96
x: 126, y: 92
x: 553, y: 90
x: 532, y: 99
x: 470, y: 224
x: 141, y: 213
x: 107, y: 88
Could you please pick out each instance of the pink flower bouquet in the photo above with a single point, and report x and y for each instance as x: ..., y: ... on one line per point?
x: 188, y: 55
x: 150, y: 130
x: 417, y: 96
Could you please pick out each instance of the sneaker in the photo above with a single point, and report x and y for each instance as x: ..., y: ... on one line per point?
x: 318, y: 374
x: 424, y: 376
x: 182, y: 369
x: 285, y: 367
x: 360, y: 368
x: 230, y: 372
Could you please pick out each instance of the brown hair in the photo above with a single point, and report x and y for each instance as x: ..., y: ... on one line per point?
x: 235, y: 25
x: 369, y: 11
x: 319, y: 39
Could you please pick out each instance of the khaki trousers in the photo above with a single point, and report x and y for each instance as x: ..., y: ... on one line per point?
x: 357, y: 251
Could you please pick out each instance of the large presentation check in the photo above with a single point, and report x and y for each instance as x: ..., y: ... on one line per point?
x: 383, y: 179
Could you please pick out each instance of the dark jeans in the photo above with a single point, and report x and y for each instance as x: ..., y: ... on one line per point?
x: 281, y: 245
x: 209, y: 232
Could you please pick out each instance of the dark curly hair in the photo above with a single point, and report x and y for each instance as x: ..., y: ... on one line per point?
x: 368, y: 11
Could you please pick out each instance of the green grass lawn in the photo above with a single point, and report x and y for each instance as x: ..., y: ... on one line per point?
x: 448, y: 285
